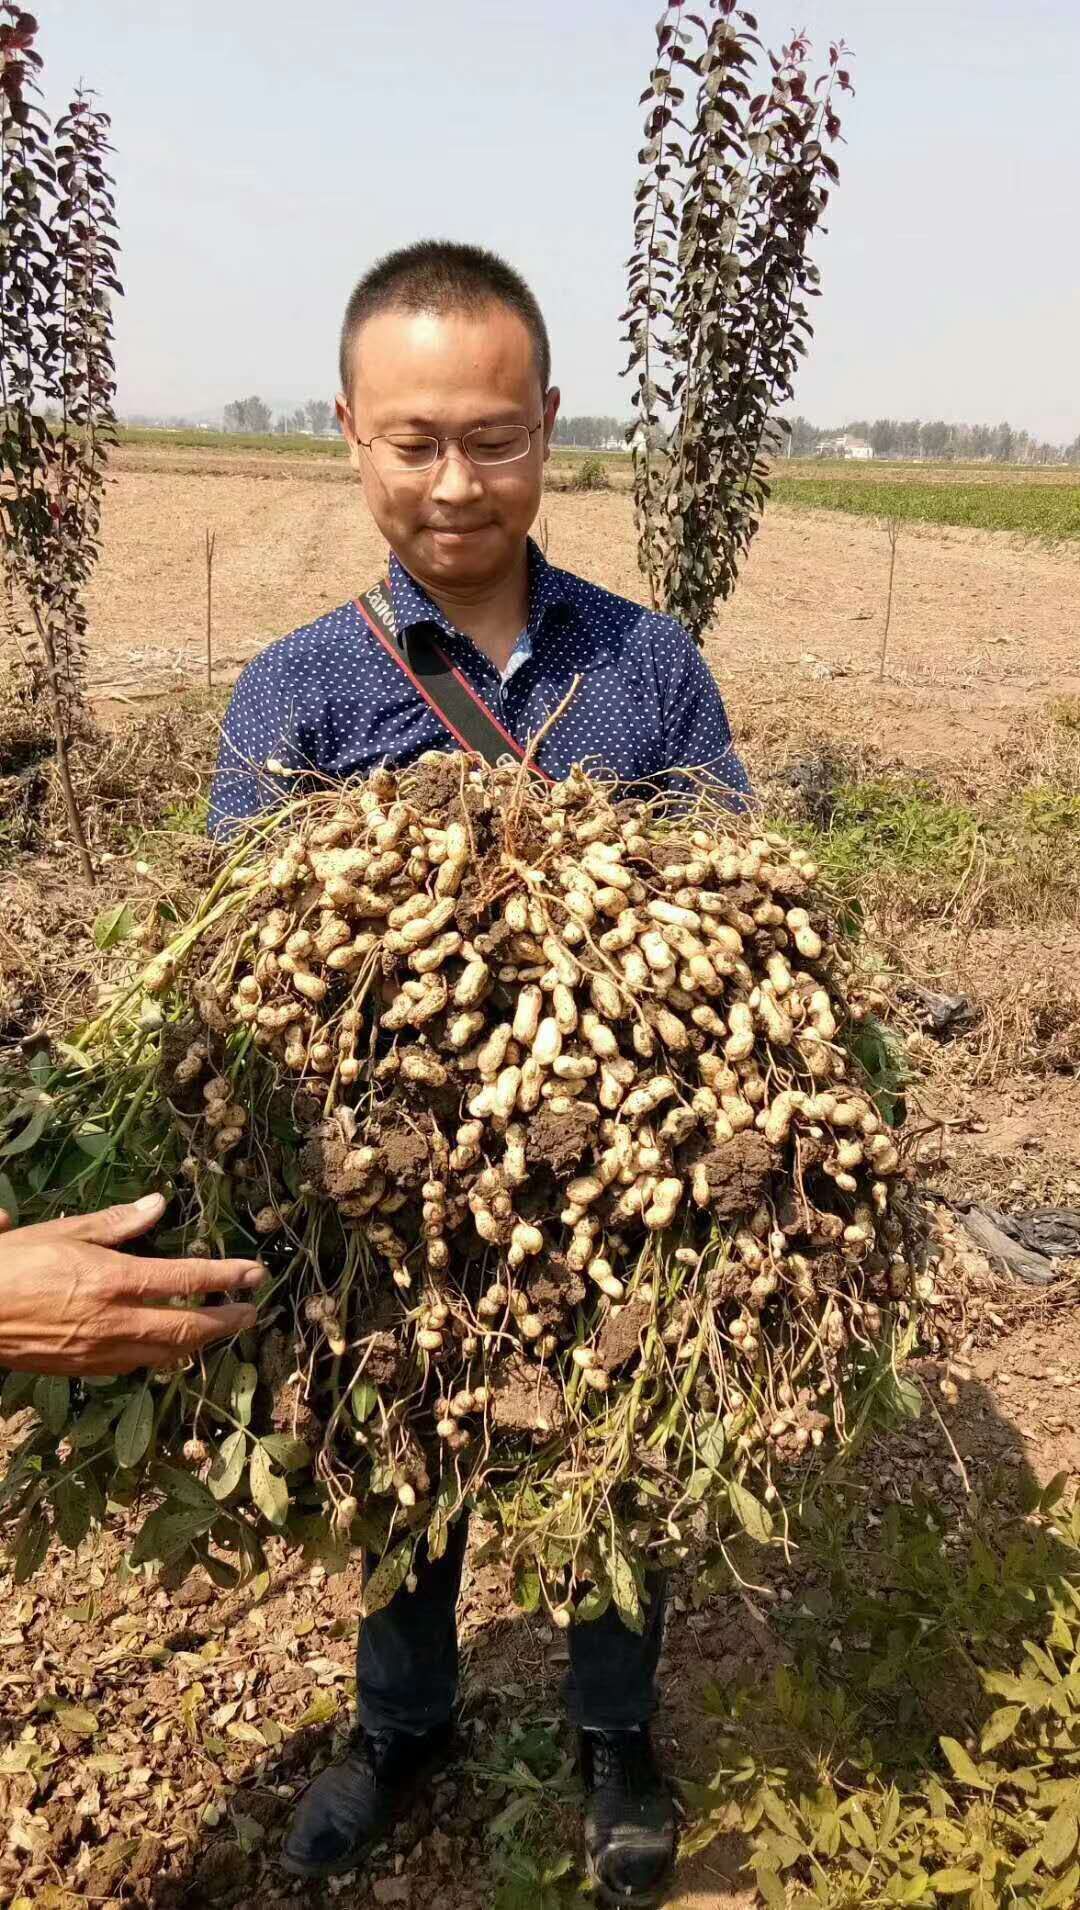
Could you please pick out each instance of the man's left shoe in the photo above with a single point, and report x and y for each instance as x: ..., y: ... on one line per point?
x: 629, y: 1819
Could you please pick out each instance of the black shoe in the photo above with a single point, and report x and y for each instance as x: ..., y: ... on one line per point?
x: 352, y: 1804
x: 629, y: 1819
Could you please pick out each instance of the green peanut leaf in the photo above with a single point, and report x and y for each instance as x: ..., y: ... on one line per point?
x: 593, y: 1605
x: 113, y: 925
x: 17, y: 1389
x: 1063, y: 1894
x: 770, y: 1887
x: 71, y: 1510
x: 91, y: 1425
x: 184, y: 1489
x: 754, y: 1518
x: 711, y: 1446
x: 288, y: 1453
x: 525, y: 1588
x: 1025, y: 1867
x: 624, y: 1590
x: 169, y: 1532
x: 227, y: 1469
x: 364, y: 1400
x: 52, y: 1401
x: 962, y: 1766
x: 268, y: 1489
x: 95, y: 1141
x: 1059, y: 1838
x: 952, y: 1881
x: 30, y: 1546
x: 8, y: 1201
x: 389, y: 1575
x: 38, y: 1107
x: 245, y: 1380
x: 134, y: 1428
x: 1000, y: 1725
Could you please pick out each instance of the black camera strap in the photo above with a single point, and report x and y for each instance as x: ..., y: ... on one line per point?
x: 442, y: 686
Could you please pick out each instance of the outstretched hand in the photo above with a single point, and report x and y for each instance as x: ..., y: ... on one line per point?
x: 70, y: 1303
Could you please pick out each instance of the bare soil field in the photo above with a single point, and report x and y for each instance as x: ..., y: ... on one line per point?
x: 152, y: 1739
x: 982, y: 625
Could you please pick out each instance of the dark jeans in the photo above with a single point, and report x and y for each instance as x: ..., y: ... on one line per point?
x: 407, y: 1658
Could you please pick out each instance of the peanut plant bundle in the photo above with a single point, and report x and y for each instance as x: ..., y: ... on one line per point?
x: 576, y: 1206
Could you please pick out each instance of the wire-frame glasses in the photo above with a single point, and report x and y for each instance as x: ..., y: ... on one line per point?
x: 485, y: 444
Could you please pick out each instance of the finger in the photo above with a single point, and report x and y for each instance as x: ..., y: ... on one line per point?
x: 6, y: 1222
x: 137, y: 1279
x: 179, y: 1334
x: 113, y: 1225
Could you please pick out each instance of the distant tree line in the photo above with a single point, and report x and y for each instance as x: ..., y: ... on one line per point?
x: 254, y: 414
x: 594, y: 434
x: 888, y: 437
x: 934, y: 438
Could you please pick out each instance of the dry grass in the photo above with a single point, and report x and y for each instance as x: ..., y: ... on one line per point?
x: 143, y: 792
x: 969, y: 881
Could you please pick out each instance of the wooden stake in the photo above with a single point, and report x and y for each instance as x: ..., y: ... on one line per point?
x: 892, y: 531
x: 211, y: 538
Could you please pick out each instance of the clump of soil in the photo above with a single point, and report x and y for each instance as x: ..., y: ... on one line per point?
x: 380, y: 1354
x: 738, y: 1173
x: 558, y: 1141
x: 441, y: 791
x: 289, y: 1410
x: 621, y: 1334
x: 405, y: 1155
x: 329, y: 1159
x: 553, y: 1288
x: 528, y: 1400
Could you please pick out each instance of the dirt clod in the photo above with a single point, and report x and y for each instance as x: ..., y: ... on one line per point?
x: 529, y: 1400
x: 559, y: 1140
x: 738, y: 1172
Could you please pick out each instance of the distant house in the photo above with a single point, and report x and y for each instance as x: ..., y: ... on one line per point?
x: 845, y: 446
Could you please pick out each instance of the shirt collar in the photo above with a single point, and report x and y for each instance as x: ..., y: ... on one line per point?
x: 548, y: 592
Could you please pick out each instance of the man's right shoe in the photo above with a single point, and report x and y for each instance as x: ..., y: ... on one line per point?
x: 352, y: 1804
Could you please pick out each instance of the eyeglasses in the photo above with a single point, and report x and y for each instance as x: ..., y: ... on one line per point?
x: 484, y: 444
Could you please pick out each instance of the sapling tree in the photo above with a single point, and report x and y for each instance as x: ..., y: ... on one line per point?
x: 57, y: 379
x: 733, y: 186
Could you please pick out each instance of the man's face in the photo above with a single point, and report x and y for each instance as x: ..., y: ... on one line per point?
x: 457, y: 525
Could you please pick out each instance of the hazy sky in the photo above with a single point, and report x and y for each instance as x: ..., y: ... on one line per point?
x: 265, y: 153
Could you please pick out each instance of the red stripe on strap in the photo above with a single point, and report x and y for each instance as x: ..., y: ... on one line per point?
x: 393, y: 650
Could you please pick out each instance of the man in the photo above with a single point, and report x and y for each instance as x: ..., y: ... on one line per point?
x: 72, y: 1303
x: 447, y: 407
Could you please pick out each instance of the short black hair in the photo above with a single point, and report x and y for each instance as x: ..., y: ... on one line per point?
x: 440, y: 275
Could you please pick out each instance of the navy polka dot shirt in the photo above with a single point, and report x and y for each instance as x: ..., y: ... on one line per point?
x: 329, y: 699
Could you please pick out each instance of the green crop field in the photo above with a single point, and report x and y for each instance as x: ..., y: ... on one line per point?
x: 296, y: 444
x: 1032, y: 503
x: 290, y: 444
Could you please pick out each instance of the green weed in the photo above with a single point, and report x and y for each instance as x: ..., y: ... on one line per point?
x: 186, y: 818
x: 923, y: 1744
x: 530, y: 1778
x: 591, y: 475
x: 893, y: 843
x: 893, y: 826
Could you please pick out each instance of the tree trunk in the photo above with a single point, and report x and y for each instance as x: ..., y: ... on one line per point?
x: 63, y: 760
